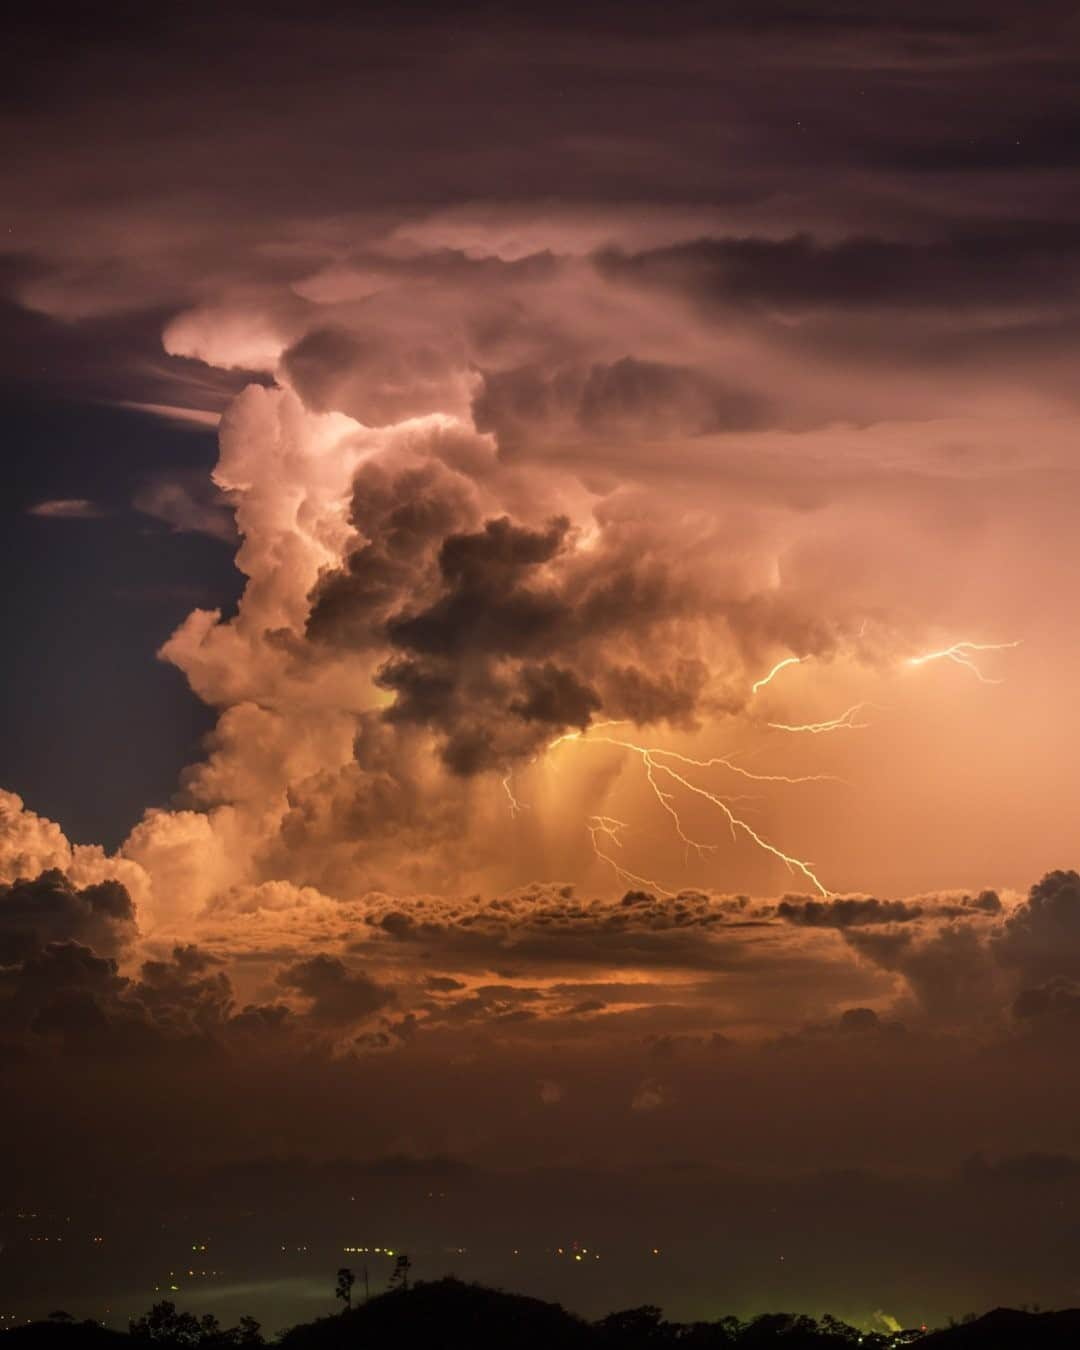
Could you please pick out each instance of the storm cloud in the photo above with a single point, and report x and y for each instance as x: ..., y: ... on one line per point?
x: 632, y: 692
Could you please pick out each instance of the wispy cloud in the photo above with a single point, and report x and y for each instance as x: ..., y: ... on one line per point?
x: 67, y: 508
x: 189, y: 503
x: 195, y: 418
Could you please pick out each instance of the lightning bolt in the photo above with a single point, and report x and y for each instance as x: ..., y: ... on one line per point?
x: 723, y: 761
x: 960, y: 653
x: 608, y: 828
x: 845, y: 722
x: 666, y: 799
x: 665, y: 779
x: 516, y: 807
x: 652, y: 758
x: 780, y: 665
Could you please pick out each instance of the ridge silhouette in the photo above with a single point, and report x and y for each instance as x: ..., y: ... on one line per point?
x: 449, y: 1314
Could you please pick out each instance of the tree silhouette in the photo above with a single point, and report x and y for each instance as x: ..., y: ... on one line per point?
x: 839, y: 1330
x: 634, y: 1324
x: 249, y: 1332
x: 399, y: 1278
x: 345, y: 1281
x: 449, y: 1314
x: 166, y: 1326
x: 210, y: 1332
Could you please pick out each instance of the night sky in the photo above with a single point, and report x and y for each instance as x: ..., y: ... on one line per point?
x: 539, y: 651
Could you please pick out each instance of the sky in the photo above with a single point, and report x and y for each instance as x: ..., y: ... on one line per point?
x: 540, y: 583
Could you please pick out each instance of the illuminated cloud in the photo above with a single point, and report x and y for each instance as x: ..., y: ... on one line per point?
x: 66, y: 508
x: 187, y: 503
x: 193, y: 417
x: 29, y: 844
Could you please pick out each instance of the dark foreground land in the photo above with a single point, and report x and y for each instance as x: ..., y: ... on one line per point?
x: 451, y: 1315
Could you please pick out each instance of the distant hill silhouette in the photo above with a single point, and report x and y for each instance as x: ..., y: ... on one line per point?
x: 451, y: 1315
x: 447, y: 1313
x: 1007, y: 1326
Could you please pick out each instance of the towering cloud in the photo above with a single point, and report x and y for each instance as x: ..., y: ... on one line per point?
x: 489, y: 497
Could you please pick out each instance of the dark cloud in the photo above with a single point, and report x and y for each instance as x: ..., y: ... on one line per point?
x: 947, y: 967
x: 1050, y: 1007
x: 60, y: 967
x: 643, y: 696
x: 628, y: 399
x: 1042, y: 937
x: 404, y: 518
x: 587, y: 1005
x: 67, y: 994
x: 51, y: 909
x: 864, y: 911
x: 1007, y: 263
x: 541, y: 932
x: 337, y: 994
x: 261, y: 1021
x: 843, y: 913
x: 186, y: 995
x: 497, y: 632
x: 438, y: 984
x: 859, y: 1021
x: 554, y: 697
x: 372, y: 380
x: 488, y: 604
